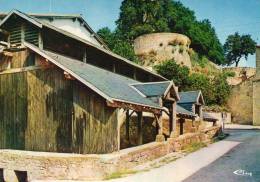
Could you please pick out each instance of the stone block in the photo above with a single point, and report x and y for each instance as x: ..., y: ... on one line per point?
x: 160, y: 138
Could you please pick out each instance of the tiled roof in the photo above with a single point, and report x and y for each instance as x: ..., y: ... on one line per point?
x: 114, y: 85
x: 189, y: 97
x: 186, y: 106
x: 181, y: 110
x: 153, y: 89
x: 110, y: 85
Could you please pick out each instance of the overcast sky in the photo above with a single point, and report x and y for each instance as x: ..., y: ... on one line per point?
x: 227, y: 16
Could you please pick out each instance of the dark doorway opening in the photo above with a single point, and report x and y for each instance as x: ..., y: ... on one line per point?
x: 21, y: 176
x: 2, y: 175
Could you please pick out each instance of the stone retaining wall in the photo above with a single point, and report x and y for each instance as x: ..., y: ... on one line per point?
x: 56, y: 166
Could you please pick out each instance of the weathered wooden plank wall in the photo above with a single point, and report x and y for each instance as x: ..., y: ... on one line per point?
x: 13, y: 110
x: 40, y: 110
x: 50, y: 110
x: 93, y: 120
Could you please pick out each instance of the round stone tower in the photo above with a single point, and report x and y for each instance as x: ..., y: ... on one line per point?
x: 153, y: 49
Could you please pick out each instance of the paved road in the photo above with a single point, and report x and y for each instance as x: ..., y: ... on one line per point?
x: 244, y: 158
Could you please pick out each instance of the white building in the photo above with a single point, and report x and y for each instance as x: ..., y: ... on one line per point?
x: 74, y: 24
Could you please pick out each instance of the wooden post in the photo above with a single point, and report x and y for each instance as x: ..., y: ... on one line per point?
x: 173, y: 120
x: 40, y: 40
x: 127, y: 126
x: 159, y: 137
x: 170, y: 121
x: 201, y: 112
x: 85, y: 56
x: 114, y: 67
x: 140, y: 128
x: 134, y: 76
x: 182, y: 121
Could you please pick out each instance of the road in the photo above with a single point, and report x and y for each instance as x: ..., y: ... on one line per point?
x: 244, y: 159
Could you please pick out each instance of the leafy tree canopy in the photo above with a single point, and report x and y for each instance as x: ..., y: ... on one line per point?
x: 138, y: 17
x: 172, y: 71
x: 214, y: 87
x: 238, y: 46
x: 117, y: 44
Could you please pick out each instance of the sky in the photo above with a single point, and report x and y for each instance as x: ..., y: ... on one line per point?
x: 227, y: 16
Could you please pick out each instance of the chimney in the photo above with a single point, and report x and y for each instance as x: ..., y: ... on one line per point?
x: 258, y: 62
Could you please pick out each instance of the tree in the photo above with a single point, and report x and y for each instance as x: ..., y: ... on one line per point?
x: 108, y: 37
x: 198, y: 81
x: 172, y: 71
x: 117, y: 44
x: 238, y: 46
x: 214, y: 86
x: 125, y: 50
x: 138, y: 17
x: 222, y: 88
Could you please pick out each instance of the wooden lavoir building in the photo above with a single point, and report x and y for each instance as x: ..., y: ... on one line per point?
x: 61, y: 93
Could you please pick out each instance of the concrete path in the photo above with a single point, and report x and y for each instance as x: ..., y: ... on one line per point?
x: 183, y: 167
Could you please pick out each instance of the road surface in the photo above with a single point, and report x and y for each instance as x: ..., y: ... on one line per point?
x: 241, y: 164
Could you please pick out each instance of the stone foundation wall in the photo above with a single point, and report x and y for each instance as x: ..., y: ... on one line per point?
x: 56, y: 166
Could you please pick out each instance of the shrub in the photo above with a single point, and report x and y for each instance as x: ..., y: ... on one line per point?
x: 181, y: 49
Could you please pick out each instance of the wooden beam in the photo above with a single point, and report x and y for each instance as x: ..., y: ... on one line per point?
x: 8, y: 54
x: 173, y: 119
x: 182, y: 121
x: 114, y: 67
x: 201, y: 112
x: 140, y: 127
x: 131, y: 113
x: 18, y: 70
x: 68, y: 76
x: 4, y: 32
x: 186, y: 116
x: 171, y: 123
x: 3, y: 43
x: 85, y: 56
x: 127, y: 134
x: 135, y: 107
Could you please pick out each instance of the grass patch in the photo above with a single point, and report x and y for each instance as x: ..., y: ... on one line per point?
x: 164, y: 161
x: 194, y: 147
x: 120, y: 174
